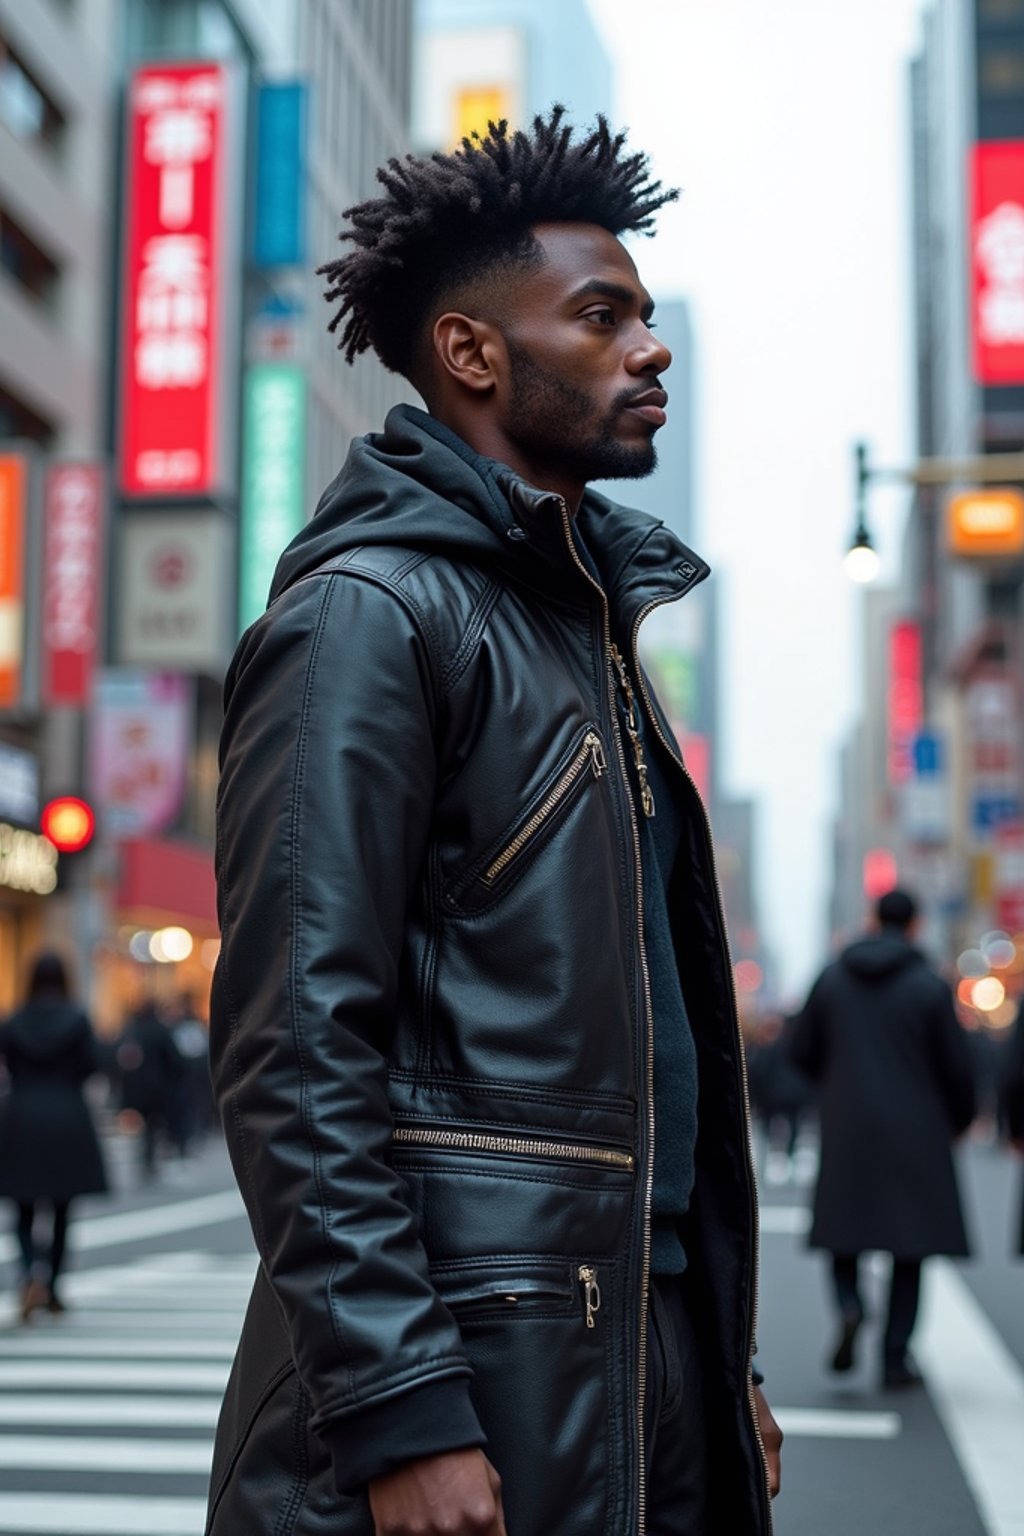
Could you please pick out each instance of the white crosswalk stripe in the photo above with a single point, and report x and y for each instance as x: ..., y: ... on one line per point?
x: 107, y: 1413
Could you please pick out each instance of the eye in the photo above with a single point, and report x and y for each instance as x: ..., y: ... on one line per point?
x: 602, y: 316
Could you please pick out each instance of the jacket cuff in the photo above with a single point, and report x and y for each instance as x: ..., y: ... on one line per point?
x: 426, y: 1421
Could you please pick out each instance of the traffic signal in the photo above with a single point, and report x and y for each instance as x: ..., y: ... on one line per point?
x: 69, y: 823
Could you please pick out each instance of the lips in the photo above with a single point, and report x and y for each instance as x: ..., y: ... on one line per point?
x: 651, y: 406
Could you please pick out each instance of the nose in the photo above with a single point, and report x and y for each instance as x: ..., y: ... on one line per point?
x: 648, y: 354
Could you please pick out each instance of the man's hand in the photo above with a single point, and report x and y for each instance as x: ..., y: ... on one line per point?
x: 457, y: 1494
x: 771, y: 1434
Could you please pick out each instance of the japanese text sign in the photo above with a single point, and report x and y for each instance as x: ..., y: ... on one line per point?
x: 905, y: 697
x: 175, y: 225
x: 73, y: 512
x: 13, y: 498
x: 997, y: 262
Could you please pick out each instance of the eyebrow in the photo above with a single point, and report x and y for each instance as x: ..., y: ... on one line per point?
x: 602, y: 288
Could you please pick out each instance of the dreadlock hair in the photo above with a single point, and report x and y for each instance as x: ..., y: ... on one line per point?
x: 448, y: 220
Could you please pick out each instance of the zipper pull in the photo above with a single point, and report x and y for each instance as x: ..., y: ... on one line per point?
x: 591, y: 1291
x: 598, y: 761
x: 647, y: 800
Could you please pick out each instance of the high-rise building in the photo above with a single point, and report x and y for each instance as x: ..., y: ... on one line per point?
x: 171, y: 404
x: 966, y: 587
x: 943, y: 692
x: 478, y: 60
x: 57, y: 131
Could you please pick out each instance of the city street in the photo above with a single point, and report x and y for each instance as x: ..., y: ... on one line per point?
x: 107, y: 1416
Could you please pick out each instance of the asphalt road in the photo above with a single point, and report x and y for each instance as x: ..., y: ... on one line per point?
x: 107, y: 1415
x: 947, y: 1460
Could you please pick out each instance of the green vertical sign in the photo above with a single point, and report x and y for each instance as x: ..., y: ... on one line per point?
x: 273, y: 479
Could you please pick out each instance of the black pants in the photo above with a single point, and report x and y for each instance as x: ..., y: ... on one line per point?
x: 904, y: 1295
x: 30, y: 1255
x: 674, y: 1421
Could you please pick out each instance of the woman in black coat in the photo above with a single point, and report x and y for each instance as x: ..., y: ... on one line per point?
x: 49, y: 1150
x: 880, y: 1037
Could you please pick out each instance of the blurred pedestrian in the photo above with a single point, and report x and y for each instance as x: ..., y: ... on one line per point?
x: 150, y: 1069
x: 192, y: 1105
x: 880, y: 1036
x: 780, y: 1094
x: 49, y: 1150
x: 1013, y: 1100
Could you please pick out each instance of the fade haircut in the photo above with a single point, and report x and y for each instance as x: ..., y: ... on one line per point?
x: 448, y: 221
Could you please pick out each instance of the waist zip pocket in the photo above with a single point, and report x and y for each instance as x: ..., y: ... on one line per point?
x: 430, y: 1138
x: 583, y: 764
x: 520, y: 1286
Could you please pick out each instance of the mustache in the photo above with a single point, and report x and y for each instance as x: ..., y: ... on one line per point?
x: 628, y: 397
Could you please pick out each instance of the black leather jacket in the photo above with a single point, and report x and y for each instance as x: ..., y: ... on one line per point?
x: 431, y: 1035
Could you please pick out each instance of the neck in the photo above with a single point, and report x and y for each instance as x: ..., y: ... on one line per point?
x: 486, y: 437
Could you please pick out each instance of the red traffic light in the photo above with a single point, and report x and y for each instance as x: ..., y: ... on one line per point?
x: 69, y: 823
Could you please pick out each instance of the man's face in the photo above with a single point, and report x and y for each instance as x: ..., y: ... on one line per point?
x: 582, y: 391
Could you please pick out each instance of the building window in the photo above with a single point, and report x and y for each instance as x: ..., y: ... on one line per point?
x: 1002, y: 72
x: 30, y: 267
x: 1001, y: 10
x: 17, y: 420
x: 25, y: 108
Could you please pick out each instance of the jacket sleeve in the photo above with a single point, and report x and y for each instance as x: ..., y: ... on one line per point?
x: 324, y: 813
x: 951, y: 1060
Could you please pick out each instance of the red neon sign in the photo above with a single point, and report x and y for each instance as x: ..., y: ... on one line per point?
x: 906, y: 701
x: 997, y: 262
x: 73, y: 512
x: 174, y: 260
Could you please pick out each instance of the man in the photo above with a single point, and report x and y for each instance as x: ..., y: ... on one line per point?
x: 880, y: 1036
x: 507, y: 1256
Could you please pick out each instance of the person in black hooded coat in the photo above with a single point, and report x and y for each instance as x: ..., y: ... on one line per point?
x: 880, y: 1037
x: 49, y: 1149
x: 1013, y: 1098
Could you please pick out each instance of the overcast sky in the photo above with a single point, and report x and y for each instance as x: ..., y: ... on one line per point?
x: 785, y: 123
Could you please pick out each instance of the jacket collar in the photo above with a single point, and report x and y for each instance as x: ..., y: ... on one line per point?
x: 641, y: 562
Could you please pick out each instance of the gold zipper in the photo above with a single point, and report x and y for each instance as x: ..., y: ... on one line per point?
x: 590, y: 751
x: 587, y: 1276
x: 633, y: 730
x: 645, y: 1273
x: 675, y: 754
x: 510, y: 1146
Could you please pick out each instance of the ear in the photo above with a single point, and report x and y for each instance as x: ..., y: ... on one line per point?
x: 469, y: 351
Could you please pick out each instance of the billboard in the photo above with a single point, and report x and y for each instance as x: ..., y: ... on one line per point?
x: 905, y: 697
x: 279, y: 225
x: 138, y: 750
x: 175, y: 588
x: 273, y: 485
x: 13, y: 502
x: 182, y: 176
x: 73, y: 521
x: 997, y: 261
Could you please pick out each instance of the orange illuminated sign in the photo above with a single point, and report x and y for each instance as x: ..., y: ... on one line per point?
x: 987, y: 522
x: 13, y: 485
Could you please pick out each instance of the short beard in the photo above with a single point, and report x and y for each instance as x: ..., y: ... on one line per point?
x: 551, y: 421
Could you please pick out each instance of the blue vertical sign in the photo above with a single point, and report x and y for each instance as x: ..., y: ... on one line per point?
x: 279, y: 229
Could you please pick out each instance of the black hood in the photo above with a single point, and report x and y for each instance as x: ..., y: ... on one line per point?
x: 880, y: 955
x: 43, y: 1030
x: 401, y: 487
